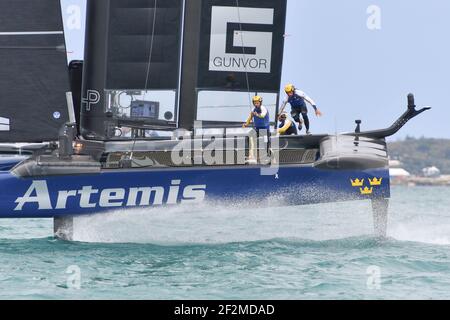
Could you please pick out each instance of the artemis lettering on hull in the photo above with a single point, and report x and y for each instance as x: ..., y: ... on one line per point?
x: 90, y: 198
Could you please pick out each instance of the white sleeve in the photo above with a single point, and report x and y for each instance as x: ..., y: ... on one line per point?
x: 304, y: 96
x: 264, y: 112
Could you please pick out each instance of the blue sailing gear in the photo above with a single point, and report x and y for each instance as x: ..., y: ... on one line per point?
x: 296, y: 116
x: 297, y: 102
x: 261, y: 123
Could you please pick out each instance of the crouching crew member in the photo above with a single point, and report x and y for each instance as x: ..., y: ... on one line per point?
x: 297, y: 99
x: 287, y: 127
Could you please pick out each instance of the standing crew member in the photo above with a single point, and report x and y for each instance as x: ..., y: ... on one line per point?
x: 297, y: 99
x: 261, y: 122
x: 259, y: 116
x: 287, y: 127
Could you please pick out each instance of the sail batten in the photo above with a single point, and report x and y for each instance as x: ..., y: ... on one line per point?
x: 49, y: 41
x: 28, y: 33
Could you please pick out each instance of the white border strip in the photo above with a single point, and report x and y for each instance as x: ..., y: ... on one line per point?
x: 30, y: 33
x: 4, y: 124
x: 4, y: 121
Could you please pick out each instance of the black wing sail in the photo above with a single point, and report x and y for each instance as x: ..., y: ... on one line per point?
x: 33, y: 71
x: 132, y: 60
x: 234, y: 49
x: 163, y: 64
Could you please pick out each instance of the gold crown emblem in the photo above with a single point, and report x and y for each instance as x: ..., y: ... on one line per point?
x: 366, y: 191
x: 357, y: 182
x: 376, y: 182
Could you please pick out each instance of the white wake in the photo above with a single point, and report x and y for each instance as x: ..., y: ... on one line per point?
x: 215, y: 224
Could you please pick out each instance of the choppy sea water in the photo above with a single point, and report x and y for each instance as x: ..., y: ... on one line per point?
x: 231, y: 252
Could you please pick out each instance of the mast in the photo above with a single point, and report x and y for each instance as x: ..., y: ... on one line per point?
x: 93, y: 118
x: 189, y: 69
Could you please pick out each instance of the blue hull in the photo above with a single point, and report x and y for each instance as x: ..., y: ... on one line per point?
x: 49, y: 197
x: 7, y: 163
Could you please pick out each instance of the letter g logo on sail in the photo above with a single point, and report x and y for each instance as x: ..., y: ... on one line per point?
x: 241, y: 39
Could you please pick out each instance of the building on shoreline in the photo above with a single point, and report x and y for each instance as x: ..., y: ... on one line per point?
x: 431, y: 176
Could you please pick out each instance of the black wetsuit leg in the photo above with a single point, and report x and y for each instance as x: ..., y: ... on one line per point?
x: 306, y: 118
x: 295, y: 113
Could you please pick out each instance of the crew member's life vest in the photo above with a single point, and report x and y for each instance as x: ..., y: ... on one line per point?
x: 297, y: 102
x: 261, y: 123
x: 292, y: 129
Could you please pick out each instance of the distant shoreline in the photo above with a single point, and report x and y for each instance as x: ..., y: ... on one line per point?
x: 413, y: 181
x: 417, y: 154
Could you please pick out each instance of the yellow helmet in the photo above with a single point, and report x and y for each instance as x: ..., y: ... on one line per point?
x: 289, y: 88
x: 257, y: 99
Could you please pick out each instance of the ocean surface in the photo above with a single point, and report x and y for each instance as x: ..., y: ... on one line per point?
x: 236, y: 252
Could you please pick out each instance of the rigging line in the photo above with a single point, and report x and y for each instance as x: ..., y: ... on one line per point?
x: 243, y: 52
x: 148, y: 69
x: 151, y: 46
x: 232, y: 106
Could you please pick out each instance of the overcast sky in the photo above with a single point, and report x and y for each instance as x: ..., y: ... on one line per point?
x: 358, y: 60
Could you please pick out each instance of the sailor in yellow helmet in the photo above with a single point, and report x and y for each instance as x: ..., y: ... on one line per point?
x: 259, y: 116
x: 298, y: 99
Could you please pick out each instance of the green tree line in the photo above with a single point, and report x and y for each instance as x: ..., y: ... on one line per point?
x: 416, y: 154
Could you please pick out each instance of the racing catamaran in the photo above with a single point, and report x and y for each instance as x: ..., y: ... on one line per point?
x: 165, y: 87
